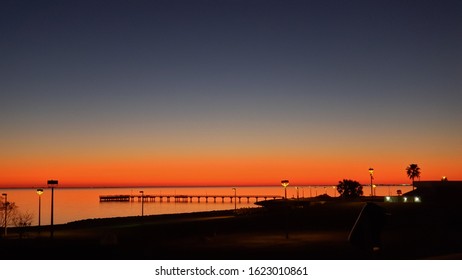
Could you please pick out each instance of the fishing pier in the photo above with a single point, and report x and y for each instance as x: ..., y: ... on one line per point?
x: 183, y: 198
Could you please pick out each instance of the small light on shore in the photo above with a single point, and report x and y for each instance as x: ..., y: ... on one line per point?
x: 39, y: 192
x: 371, y: 173
x: 285, y: 183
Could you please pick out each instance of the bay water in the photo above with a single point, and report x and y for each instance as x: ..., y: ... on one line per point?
x: 72, y: 204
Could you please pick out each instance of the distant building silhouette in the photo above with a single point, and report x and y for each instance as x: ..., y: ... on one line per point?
x: 437, y: 191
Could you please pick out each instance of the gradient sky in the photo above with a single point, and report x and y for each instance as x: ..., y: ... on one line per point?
x: 229, y: 92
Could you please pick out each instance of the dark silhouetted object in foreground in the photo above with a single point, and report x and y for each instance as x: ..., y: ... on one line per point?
x: 366, y: 231
x: 52, y: 184
x: 413, y: 171
x: 285, y: 183
x: 5, y: 207
x: 349, y: 188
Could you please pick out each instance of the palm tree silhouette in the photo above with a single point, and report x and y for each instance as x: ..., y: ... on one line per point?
x: 413, y: 171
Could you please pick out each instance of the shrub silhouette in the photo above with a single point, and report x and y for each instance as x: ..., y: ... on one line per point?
x: 349, y: 188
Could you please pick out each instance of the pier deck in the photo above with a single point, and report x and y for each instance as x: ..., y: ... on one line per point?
x: 183, y: 198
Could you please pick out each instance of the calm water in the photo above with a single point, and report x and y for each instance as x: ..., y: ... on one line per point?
x: 72, y: 204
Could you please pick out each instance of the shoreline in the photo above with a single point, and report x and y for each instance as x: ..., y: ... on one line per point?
x: 77, y: 204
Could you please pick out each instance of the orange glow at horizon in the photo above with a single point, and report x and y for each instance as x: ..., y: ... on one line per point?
x: 212, y: 171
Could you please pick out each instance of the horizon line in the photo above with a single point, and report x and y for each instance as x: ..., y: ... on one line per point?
x: 198, y: 186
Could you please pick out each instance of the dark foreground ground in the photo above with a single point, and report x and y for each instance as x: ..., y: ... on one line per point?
x: 318, y: 230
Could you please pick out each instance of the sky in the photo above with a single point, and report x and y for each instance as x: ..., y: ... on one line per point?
x: 229, y: 92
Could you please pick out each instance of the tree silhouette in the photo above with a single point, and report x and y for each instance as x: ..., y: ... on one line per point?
x: 21, y: 220
x: 11, y: 212
x: 413, y: 171
x: 349, y: 188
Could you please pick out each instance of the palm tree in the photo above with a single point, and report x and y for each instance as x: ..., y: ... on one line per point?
x: 413, y: 171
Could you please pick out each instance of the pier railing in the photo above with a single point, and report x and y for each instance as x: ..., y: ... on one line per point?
x: 184, y: 198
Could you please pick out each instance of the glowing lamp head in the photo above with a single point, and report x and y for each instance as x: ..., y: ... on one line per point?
x: 39, y: 191
x: 285, y: 183
x: 371, y: 171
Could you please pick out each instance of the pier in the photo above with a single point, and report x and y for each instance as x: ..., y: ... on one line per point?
x: 184, y: 198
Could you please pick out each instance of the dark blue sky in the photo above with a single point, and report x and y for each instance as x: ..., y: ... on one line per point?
x: 229, y: 74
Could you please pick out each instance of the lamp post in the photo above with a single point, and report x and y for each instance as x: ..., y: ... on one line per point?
x: 39, y: 192
x: 296, y: 188
x: 6, y: 211
x: 51, y: 184
x: 142, y: 203
x: 235, y: 207
x: 371, y: 172
x: 285, y: 183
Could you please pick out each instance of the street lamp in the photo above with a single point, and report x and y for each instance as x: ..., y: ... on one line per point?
x: 6, y: 210
x: 285, y: 183
x: 235, y: 207
x: 39, y: 192
x: 296, y: 188
x: 51, y: 184
x: 142, y: 203
x: 371, y: 172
